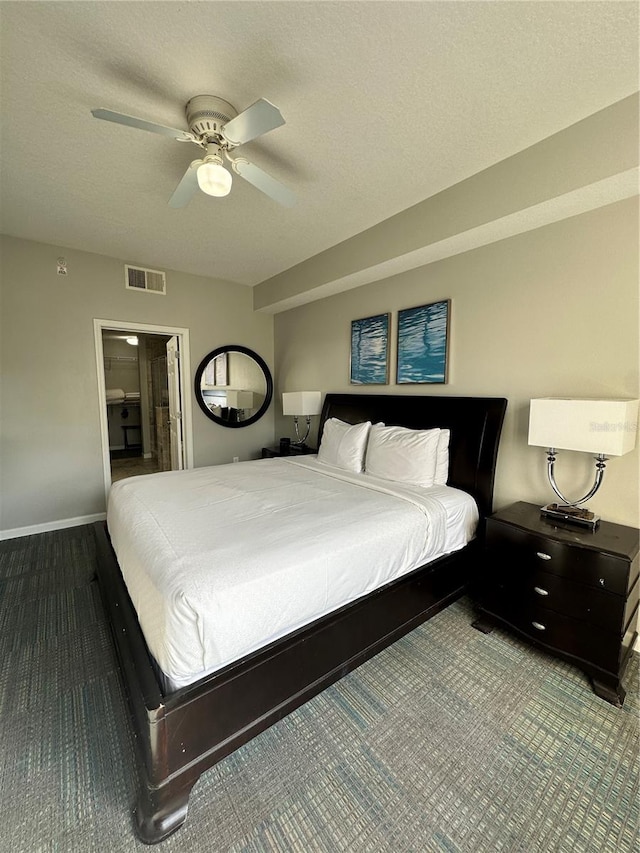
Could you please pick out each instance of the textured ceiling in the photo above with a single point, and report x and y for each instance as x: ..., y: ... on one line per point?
x: 386, y: 103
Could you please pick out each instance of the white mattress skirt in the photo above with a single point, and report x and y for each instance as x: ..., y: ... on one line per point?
x: 221, y: 561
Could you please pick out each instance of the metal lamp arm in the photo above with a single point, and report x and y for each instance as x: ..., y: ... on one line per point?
x: 306, y: 435
x: 601, y: 462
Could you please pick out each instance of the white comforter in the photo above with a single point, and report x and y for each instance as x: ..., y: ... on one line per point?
x: 220, y: 561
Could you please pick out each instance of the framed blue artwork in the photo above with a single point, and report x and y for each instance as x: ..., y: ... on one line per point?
x: 370, y: 350
x: 423, y: 338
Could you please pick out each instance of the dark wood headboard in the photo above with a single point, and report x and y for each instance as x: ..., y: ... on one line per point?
x: 475, y: 424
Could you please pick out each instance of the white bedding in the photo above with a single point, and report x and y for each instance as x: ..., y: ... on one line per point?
x: 221, y: 561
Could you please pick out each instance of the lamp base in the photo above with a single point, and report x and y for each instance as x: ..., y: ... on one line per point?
x: 571, y: 515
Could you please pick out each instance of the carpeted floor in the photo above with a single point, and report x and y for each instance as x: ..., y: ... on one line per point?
x: 450, y: 740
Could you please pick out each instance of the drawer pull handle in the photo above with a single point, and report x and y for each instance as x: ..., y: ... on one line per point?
x: 542, y: 555
x: 541, y: 591
x: 539, y: 626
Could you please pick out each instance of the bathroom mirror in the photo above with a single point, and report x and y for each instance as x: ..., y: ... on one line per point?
x: 233, y: 386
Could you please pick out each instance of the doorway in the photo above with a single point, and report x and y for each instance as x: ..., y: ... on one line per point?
x: 145, y: 414
x: 137, y: 389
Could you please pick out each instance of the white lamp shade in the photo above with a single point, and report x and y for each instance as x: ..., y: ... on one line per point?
x: 240, y: 399
x: 214, y: 179
x: 301, y: 403
x: 593, y: 426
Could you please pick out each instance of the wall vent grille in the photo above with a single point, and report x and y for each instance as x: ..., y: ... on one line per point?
x: 139, y: 278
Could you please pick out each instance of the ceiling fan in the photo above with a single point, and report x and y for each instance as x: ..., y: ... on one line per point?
x: 216, y: 126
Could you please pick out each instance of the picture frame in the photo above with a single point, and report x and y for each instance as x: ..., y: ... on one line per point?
x: 216, y: 372
x: 369, y: 363
x: 209, y: 376
x: 423, y: 344
x: 221, y: 369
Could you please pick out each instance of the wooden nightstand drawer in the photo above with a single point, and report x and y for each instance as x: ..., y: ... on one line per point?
x: 560, y: 633
x: 512, y: 546
x: 577, y: 600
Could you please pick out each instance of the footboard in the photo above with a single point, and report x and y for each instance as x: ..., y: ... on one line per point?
x: 182, y: 734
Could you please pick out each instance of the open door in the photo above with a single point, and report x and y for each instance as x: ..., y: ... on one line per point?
x: 173, y: 446
x: 175, y: 414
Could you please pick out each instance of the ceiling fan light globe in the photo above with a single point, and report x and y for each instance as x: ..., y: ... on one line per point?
x: 214, y: 179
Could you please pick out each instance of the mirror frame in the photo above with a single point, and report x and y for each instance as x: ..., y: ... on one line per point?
x: 261, y: 364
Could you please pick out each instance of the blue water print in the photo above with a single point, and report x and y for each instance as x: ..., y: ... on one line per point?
x: 422, y: 343
x: 370, y: 350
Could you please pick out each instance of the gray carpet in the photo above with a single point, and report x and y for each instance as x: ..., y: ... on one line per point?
x: 448, y: 741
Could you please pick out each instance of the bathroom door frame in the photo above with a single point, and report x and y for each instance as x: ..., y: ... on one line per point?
x: 184, y: 366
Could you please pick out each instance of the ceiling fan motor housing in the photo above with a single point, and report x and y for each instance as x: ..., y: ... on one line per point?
x: 207, y: 115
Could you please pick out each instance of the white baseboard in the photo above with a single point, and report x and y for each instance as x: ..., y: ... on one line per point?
x: 51, y: 525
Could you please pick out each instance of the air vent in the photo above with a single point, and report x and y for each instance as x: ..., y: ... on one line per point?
x: 138, y: 278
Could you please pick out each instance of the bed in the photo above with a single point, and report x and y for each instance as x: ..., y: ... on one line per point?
x: 184, y: 726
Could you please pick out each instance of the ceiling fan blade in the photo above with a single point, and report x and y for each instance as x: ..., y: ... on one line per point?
x: 187, y: 187
x: 141, y: 124
x: 263, y: 182
x: 257, y: 119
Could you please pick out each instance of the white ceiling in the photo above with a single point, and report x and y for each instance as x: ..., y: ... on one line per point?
x: 386, y: 103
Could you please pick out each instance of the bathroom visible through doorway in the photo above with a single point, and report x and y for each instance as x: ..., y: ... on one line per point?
x: 145, y: 424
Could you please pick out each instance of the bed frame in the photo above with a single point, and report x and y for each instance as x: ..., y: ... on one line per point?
x: 180, y: 735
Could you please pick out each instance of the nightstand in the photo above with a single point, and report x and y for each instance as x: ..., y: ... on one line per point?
x: 572, y: 592
x: 292, y: 450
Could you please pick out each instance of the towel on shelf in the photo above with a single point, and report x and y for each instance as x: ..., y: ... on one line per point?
x: 115, y: 395
x: 132, y: 396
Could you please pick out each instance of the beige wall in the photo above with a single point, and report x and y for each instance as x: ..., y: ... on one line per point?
x: 585, y: 166
x: 548, y: 313
x: 50, y: 448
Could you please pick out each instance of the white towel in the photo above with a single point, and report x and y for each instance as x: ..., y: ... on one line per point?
x: 115, y: 395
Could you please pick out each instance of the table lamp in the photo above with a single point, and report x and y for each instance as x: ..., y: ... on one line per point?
x: 240, y: 400
x: 604, y: 427
x: 301, y: 404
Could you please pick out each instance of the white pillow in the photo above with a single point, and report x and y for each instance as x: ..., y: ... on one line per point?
x: 401, y: 454
x: 442, y: 459
x: 343, y: 445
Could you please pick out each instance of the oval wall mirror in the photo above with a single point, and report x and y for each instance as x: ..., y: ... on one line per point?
x: 233, y: 386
